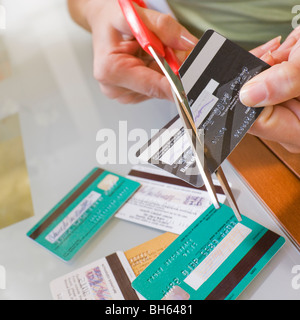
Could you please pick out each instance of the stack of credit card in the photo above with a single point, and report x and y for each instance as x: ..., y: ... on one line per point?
x: 82, y: 212
x: 215, y: 256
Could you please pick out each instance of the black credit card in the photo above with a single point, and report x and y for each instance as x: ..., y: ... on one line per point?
x: 212, y: 77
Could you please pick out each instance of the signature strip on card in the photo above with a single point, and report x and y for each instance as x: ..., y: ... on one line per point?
x: 82, y: 212
x: 65, y: 204
x: 170, y: 180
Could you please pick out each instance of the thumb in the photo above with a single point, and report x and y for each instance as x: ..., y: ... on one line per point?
x: 168, y: 30
x: 273, y: 86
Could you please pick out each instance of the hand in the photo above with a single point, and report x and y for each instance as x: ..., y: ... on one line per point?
x: 124, y: 71
x: 278, y: 89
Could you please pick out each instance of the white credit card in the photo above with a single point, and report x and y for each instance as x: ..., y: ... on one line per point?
x: 108, y: 278
x: 165, y: 202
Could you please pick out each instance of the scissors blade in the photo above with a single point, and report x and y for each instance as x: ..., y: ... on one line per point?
x: 175, y: 83
x: 186, y: 116
x: 197, y: 145
x: 198, y: 151
x: 228, y: 192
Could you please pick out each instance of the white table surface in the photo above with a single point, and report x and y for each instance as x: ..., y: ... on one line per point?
x: 61, y: 110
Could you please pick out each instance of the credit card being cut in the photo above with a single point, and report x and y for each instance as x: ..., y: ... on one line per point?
x: 214, y: 259
x: 82, y: 212
x: 212, y: 77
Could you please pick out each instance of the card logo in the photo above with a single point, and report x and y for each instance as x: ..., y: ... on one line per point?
x: 2, y: 17
x: 2, y: 278
x: 296, y: 19
x: 296, y: 278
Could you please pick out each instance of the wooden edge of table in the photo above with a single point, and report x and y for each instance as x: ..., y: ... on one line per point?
x: 291, y: 160
x: 277, y: 187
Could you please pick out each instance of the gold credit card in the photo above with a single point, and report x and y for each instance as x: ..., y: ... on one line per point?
x: 142, y: 255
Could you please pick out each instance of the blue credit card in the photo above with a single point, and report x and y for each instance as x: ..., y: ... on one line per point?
x: 214, y: 259
x: 82, y: 212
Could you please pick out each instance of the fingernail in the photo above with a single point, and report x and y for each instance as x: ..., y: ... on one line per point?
x: 253, y: 94
x: 189, y: 40
x: 272, y: 43
x: 268, y: 58
x: 127, y: 37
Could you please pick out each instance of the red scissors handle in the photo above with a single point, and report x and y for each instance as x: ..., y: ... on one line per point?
x: 141, y: 3
x: 144, y: 36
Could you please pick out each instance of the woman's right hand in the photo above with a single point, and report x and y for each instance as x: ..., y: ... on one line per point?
x: 124, y: 71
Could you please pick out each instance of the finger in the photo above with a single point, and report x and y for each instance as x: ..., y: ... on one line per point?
x: 107, y: 49
x: 273, y: 86
x: 291, y: 148
x: 280, y: 83
x: 132, y: 98
x: 122, y: 95
x: 128, y: 72
x: 294, y: 106
x: 294, y: 34
x: 276, y: 57
x: 295, y: 52
x: 118, y: 21
x: 119, y: 67
x: 148, y: 82
x: 114, y: 92
x: 265, y: 48
x: 115, y: 64
x: 280, y: 55
x: 277, y: 123
x: 268, y: 58
x: 283, y: 52
x: 168, y: 30
x: 288, y: 43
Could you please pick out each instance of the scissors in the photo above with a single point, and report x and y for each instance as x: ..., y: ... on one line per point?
x: 168, y: 63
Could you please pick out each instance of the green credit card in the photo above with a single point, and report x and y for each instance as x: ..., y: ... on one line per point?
x: 82, y: 212
x: 213, y: 259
